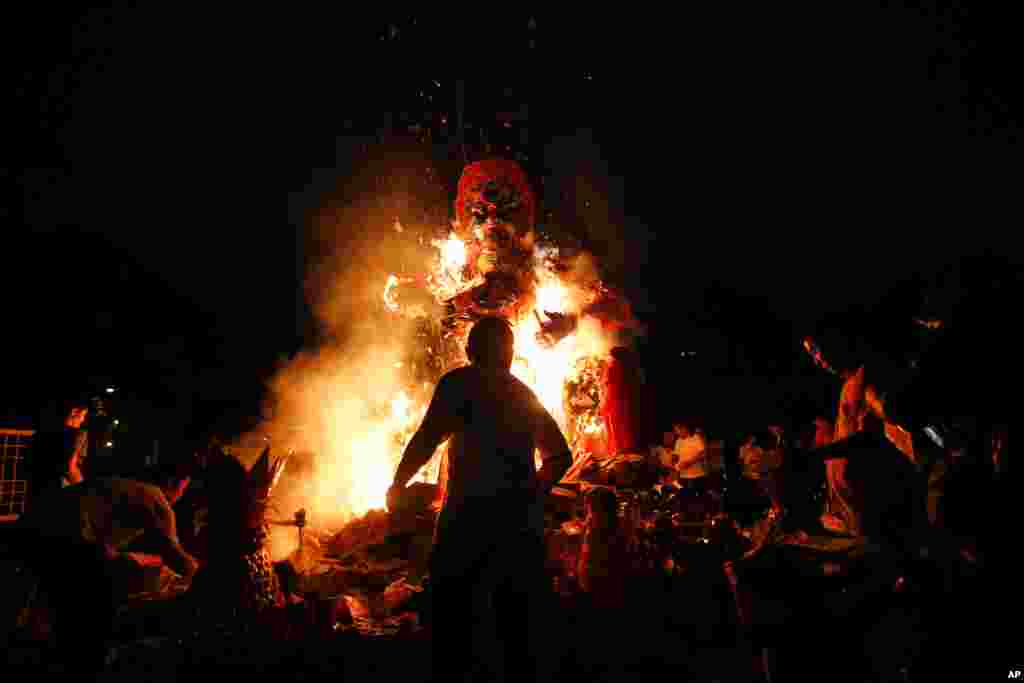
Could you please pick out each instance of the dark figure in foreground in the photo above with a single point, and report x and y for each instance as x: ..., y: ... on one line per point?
x: 73, y: 539
x: 489, y: 539
x: 59, y: 450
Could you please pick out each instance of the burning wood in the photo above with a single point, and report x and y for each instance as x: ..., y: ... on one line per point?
x: 376, y: 563
x: 384, y: 536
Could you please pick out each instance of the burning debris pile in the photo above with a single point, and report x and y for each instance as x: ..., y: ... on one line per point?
x: 377, y: 563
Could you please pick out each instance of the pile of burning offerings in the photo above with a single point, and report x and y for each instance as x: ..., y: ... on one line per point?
x: 377, y: 562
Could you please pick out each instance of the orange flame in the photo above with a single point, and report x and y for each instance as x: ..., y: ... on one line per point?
x: 365, y: 462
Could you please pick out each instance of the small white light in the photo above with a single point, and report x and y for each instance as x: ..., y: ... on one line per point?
x: 933, y: 434
x: 117, y: 422
x: 110, y: 390
x: 110, y: 444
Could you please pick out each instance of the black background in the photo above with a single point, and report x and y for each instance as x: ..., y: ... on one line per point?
x: 784, y: 172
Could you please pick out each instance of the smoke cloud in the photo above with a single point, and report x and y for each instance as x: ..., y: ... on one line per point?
x: 335, y: 404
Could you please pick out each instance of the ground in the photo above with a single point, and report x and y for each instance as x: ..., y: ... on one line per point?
x: 680, y: 629
x: 682, y: 632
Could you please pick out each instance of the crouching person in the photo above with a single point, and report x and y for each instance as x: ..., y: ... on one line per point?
x: 73, y: 536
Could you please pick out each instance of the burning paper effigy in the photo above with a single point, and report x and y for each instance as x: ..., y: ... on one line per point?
x: 493, y: 263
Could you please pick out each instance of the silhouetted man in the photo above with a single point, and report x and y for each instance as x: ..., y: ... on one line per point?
x: 59, y: 450
x: 72, y: 537
x: 488, y: 545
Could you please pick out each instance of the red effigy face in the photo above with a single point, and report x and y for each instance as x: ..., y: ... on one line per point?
x: 495, y: 196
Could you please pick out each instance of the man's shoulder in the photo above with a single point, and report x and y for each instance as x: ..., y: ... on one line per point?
x: 455, y: 381
x: 471, y: 373
x: 468, y: 377
x: 518, y: 383
x: 459, y: 374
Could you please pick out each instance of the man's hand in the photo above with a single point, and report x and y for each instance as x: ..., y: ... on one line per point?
x: 551, y: 472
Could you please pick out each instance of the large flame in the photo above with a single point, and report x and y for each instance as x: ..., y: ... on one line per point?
x: 545, y: 370
x: 448, y: 274
x: 360, y: 461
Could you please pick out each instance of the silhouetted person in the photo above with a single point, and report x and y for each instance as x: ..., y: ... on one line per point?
x: 488, y: 544
x: 59, y: 450
x: 70, y: 538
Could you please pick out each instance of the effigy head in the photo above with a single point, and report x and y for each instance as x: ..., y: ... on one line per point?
x: 495, y: 192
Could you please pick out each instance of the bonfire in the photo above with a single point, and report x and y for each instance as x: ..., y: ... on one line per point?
x: 490, y: 261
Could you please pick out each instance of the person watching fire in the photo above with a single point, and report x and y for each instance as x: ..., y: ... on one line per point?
x: 59, y: 450
x: 691, y: 453
x: 488, y: 542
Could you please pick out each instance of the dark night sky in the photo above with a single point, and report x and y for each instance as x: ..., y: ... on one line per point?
x: 779, y: 168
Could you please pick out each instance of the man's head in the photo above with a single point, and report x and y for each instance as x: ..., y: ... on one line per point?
x: 76, y: 415
x: 67, y: 412
x: 873, y: 424
x: 491, y: 343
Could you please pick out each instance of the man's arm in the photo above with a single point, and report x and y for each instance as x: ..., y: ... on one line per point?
x: 438, y: 424
x: 169, y: 547
x: 555, y: 453
x: 875, y: 402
